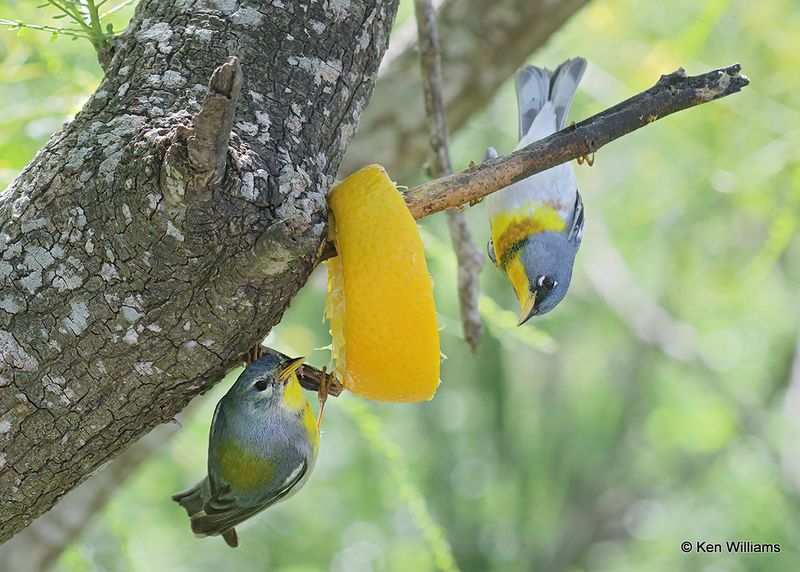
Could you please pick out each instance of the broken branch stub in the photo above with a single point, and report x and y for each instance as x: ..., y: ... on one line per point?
x: 208, y: 145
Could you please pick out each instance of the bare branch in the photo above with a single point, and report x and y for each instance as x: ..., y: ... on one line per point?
x: 672, y: 93
x: 470, y: 259
x: 208, y: 148
x: 470, y: 264
x: 431, y: 63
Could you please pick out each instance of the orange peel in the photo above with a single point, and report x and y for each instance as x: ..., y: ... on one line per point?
x: 380, y: 295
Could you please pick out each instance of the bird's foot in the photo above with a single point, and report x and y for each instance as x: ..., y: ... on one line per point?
x: 253, y: 354
x: 474, y: 202
x: 589, y: 160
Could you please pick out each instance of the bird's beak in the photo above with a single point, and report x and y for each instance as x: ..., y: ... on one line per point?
x: 290, y: 368
x: 528, y: 309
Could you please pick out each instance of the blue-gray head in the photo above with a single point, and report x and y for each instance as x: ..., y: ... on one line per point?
x: 547, y: 259
x: 263, y: 382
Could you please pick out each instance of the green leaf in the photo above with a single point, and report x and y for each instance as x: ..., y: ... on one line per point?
x: 110, y: 28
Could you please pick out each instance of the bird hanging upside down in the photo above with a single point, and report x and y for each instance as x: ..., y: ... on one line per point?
x: 262, y: 447
x: 537, y: 223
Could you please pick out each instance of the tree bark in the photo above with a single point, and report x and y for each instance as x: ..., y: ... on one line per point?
x: 134, y: 273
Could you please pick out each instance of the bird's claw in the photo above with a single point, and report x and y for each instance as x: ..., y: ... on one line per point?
x: 253, y: 354
x: 589, y: 160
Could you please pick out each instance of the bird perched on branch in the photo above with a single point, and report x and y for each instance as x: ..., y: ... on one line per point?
x: 262, y: 448
x: 537, y: 223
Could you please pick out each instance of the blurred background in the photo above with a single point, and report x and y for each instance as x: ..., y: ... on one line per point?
x: 658, y: 403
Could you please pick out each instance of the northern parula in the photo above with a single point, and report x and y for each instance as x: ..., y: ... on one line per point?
x: 262, y: 448
x: 537, y: 223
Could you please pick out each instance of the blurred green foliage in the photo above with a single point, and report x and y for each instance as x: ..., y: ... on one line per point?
x: 580, y: 442
x: 87, y: 19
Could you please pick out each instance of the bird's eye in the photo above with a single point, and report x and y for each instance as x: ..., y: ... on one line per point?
x: 546, y: 283
x: 261, y: 384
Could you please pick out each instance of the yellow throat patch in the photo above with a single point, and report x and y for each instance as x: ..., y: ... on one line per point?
x: 509, y: 231
x: 294, y: 399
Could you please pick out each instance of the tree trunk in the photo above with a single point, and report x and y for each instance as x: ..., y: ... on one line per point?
x: 135, y: 269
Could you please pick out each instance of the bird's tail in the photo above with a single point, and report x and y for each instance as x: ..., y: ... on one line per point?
x: 536, y: 86
x: 192, y: 499
x: 202, y: 527
x: 231, y: 538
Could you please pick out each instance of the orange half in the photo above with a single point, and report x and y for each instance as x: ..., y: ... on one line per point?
x: 380, y: 295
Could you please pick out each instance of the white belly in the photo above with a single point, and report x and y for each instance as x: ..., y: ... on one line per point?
x: 556, y: 187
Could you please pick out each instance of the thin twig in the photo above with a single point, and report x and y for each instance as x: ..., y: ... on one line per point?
x: 470, y: 259
x: 312, y: 379
x: 73, y: 14
x: 116, y: 8
x: 672, y: 93
x: 55, y: 30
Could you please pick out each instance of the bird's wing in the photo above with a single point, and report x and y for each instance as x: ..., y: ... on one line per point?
x: 222, y: 511
x: 576, y: 230
x: 192, y: 499
x: 490, y: 252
